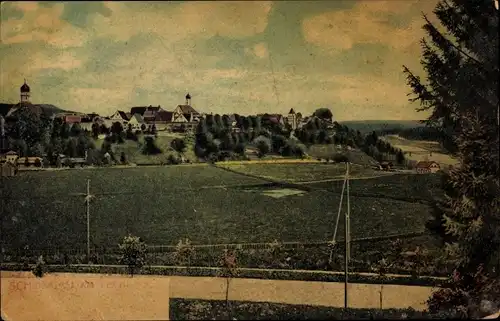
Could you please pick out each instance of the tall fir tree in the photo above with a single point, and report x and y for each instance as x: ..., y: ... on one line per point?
x: 461, y: 93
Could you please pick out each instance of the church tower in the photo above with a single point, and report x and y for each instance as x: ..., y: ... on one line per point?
x: 188, y: 99
x: 25, y: 93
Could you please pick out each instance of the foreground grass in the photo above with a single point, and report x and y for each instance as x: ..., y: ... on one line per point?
x: 165, y: 204
x: 191, y: 309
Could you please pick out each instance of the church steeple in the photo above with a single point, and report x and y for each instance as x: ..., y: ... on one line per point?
x: 25, y: 92
x: 188, y: 99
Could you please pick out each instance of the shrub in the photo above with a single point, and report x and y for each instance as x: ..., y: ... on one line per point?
x: 172, y: 160
x: 149, y: 147
x: 133, y: 251
x: 39, y: 269
x: 340, y: 158
x: 263, y: 145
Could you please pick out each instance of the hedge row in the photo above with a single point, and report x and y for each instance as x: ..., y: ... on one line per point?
x: 365, y: 258
x: 241, y: 273
x: 192, y: 309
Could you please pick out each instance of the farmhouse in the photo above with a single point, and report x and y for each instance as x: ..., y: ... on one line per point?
x: 386, y: 166
x: 150, y: 113
x: 8, y: 169
x: 119, y: 116
x: 9, y: 157
x: 136, y: 122
x: 37, y: 161
x: 425, y: 167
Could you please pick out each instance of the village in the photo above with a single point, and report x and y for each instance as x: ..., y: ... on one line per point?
x: 148, y: 120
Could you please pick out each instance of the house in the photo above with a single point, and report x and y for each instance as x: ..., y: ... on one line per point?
x: 138, y: 110
x: 30, y: 161
x: 119, y: 116
x: 136, y: 122
x: 185, y: 114
x: 425, y: 167
x: 386, y: 166
x: 8, y: 169
x: 163, y: 119
x: 11, y: 157
x: 150, y: 113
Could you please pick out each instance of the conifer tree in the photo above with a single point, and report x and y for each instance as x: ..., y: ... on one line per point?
x: 461, y: 92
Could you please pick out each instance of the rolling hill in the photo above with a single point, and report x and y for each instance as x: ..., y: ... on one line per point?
x: 47, y: 108
x: 365, y: 126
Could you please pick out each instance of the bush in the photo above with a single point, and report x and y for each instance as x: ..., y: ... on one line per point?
x: 149, y: 147
x: 263, y: 145
x: 39, y: 269
x: 172, y: 160
x: 340, y: 158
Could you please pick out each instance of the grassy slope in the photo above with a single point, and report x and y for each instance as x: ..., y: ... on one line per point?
x: 327, y: 151
x: 133, y: 150
x: 165, y: 204
x: 420, y: 150
x: 366, y: 126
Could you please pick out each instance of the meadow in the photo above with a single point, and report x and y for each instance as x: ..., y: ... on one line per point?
x: 208, y: 205
x: 420, y: 150
x: 296, y: 173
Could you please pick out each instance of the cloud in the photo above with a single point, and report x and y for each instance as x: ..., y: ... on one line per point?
x: 40, y: 24
x: 186, y: 20
x: 368, y: 22
x: 65, y: 60
x: 105, y: 96
x: 260, y: 50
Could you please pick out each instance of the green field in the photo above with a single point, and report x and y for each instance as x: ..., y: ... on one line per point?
x: 203, y: 203
x: 408, y: 187
x: 299, y: 172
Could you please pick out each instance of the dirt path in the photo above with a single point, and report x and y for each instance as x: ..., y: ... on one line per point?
x: 255, y: 290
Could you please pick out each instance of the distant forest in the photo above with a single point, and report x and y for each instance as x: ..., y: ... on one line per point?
x: 416, y: 133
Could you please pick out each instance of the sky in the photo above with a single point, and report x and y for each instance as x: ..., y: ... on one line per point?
x: 232, y: 57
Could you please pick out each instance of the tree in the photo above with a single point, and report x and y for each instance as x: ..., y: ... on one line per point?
x: 75, y: 130
x: 71, y: 148
x: 278, y: 142
x: 39, y: 269
x: 323, y: 113
x: 95, y: 130
x: 263, y: 145
x: 149, y: 147
x: 400, y: 157
x: 462, y: 95
x: 463, y: 71
x: 229, y: 269
x: 116, y: 128
x: 184, y: 252
x: 179, y: 145
x: 133, y: 253
x: 123, y: 158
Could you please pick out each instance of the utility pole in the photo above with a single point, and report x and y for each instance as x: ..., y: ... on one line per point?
x: 346, y: 239
x: 348, y: 214
x: 338, y: 218
x: 87, y: 199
